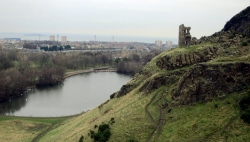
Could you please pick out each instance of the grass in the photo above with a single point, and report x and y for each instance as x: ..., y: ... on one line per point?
x: 24, y: 128
x: 205, y: 122
x: 129, y: 117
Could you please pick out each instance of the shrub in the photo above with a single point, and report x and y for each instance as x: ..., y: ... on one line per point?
x: 246, y: 116
x: 245, y: 102
x: 96, y: 126
x: 245, y: 107
x: 81, y: 139
x: 91, y: 133
x: 103, y: 127
x: 103, y: 133
x: 216, y: 106
x: 97, y: 136
x: 132, y: 140
x: 244, y: 43
x: 107, y: 133
x: 112, y: 121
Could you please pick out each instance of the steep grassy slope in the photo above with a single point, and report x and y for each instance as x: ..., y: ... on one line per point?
x: 185, y: 94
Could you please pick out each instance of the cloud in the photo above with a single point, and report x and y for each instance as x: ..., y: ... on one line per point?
x: 158, y: 18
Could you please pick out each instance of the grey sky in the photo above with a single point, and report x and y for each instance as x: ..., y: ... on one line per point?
x: 152, y: 18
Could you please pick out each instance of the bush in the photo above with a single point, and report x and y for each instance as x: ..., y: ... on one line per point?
x: 216, y: 106
x: 245, y: 107
x: 81, y: 139
x: 244, y: 43
x: 107, y: 133
x: 112, y: 121
x: 103, y: 127
x: 132, y: 140
x: 245, y: 102
x: 97, y: 136
x: 103, y: 133
x: 92, y: 133
x: 246, y: 116
x: 96, y: 126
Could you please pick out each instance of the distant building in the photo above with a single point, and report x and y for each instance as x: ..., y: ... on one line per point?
x: 158, y: 43
x: 52, y: 38
x: 169, y: 44
x: 63, y: 39
x: 38, y: 48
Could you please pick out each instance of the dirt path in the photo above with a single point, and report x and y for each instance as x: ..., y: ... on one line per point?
x: 53, y: 126
x: 85, y: 71
x: 147, y: 111
x: 161, y: 121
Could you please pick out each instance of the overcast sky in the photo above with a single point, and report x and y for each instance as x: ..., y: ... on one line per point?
x: 151, y: 18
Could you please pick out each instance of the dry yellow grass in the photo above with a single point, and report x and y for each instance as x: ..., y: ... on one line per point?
x: 20, y: 130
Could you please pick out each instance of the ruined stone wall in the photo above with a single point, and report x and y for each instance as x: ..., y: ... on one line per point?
x: 184, y: 35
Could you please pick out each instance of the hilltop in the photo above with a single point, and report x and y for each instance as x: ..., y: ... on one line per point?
x: 240, y: 22
x: 195, y: 93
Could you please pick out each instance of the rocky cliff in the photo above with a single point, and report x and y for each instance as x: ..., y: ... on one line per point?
x: 240, y: 22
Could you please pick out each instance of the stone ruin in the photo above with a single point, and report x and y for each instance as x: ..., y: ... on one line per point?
x: 184, y: 35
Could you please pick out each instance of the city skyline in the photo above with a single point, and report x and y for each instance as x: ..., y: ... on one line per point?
x: 147, y: 18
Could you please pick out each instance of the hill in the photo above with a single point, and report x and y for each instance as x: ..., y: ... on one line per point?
x: 185, y: 94
x: 240, y: 22
x: 195, y: 93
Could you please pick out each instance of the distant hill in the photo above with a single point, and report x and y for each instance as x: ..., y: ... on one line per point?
x: 240, y: 22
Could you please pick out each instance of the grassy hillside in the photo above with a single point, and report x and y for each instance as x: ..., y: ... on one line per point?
x: 164, y: 101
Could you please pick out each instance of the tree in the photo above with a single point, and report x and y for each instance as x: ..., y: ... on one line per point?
x: 53, y: 48
x: 67, y: 47
x: 135, y: 57
x: 5, y: 62
x: 104, y: 59
x: 45, y: 48
x: 60, y: 48
x: 117, y: 60
x: 29, y: 46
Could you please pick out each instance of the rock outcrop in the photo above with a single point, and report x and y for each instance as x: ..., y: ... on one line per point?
x: 240, y: 22
x: 203, y: 82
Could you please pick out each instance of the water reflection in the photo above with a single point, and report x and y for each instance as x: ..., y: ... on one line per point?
x: 13, y: 105
x: 76, y: 94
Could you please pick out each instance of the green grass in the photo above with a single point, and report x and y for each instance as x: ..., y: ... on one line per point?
x: 35, y: 119
x: 15, y: 128
x: 204, y: 122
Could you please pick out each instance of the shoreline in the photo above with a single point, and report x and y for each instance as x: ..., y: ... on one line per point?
x: 69, y: 74
x: 86, y: 71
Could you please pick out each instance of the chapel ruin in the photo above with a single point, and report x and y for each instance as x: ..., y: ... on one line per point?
x: 184, y: 35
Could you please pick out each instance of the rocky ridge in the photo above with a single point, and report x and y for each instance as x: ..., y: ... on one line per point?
x: 240, y: 22
x: 220, y: 56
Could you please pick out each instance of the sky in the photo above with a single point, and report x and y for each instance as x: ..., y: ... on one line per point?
x: 147, y: 18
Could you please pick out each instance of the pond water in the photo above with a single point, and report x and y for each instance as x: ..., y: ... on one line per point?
x: 76, y: 94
